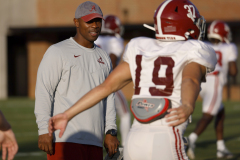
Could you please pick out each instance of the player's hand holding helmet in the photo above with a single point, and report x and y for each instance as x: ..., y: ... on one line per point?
x: 116, y: 156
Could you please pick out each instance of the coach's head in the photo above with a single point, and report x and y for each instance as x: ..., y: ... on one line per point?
x: 88, y: 21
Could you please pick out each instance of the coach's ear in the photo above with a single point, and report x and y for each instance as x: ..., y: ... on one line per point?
x: 76, y: 22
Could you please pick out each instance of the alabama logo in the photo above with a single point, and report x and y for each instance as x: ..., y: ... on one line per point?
x: 100, y: 60
x: 93, y: 8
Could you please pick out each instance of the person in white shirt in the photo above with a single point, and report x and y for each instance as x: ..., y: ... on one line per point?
x: 166, y: 73
x: 219, y: 35
x: 110, y: 40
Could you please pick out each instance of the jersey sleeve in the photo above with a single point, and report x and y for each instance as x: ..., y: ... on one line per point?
x: 232, y: 53
x: 48, y: 76
x: 115, y: 46
x: 204, y: 55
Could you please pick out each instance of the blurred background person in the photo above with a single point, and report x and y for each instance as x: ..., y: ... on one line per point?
x: 8, y: 142
x: 110, y: 40
x: 219, y: 35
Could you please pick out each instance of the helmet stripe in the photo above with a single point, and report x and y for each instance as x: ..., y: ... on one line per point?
x: 159, y: 16
x: 211, y: 33
x: 212, y: 26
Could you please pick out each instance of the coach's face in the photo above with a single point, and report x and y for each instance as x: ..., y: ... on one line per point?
x: 88, y: 31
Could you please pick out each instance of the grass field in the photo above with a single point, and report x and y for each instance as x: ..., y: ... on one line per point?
x: 19, y: 112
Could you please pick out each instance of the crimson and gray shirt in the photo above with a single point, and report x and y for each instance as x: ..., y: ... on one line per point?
x: 66, y: 73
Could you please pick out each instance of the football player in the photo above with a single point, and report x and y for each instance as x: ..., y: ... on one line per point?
x: 111, y: 41
x: 167, y: 73
x: 219, y: 35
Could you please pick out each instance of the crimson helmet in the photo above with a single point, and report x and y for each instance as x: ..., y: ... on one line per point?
x: 112, y: 25
x: 178, y: 20
x: 219, y: 30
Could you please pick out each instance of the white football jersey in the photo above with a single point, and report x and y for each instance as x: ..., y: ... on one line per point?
x: 156, y: 67
x: 225, y: 53
x: 111, y: 44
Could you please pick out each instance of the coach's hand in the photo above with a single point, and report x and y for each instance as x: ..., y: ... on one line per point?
x: 111, y: 144
x: 45, y: 143
x: 179, y: 115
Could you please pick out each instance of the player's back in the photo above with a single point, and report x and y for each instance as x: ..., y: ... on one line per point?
x: 225, y: 54
x: 156, y: 67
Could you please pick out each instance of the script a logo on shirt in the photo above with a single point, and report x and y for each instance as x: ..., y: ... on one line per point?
x: 100, y: 60
x: 144, y: 104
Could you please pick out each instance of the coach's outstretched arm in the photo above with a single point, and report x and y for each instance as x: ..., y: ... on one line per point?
x: 192, y: 75
x: 120, y: 77
x: 8, y: 142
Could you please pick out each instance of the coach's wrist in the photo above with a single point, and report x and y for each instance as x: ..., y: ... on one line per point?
x: 112, y: 132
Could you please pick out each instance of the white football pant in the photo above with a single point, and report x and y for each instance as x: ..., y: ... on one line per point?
x: 211, y: 94
x: 155, y: 141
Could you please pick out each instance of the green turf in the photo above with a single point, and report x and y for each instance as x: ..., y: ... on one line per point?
x: 206, y: 143
x: 19, y: 112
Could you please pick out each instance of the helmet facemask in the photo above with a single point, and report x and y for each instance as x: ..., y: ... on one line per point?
x: 201, y: 24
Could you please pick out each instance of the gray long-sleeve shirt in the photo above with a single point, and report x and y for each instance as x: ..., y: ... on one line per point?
x: 66, y: 73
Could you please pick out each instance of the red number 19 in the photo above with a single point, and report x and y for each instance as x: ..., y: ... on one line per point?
x: 167, y: 81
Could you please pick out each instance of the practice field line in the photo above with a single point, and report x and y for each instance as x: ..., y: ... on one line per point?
x: 26, y: 134
x: 236, y: 107
x: 24, y: 154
